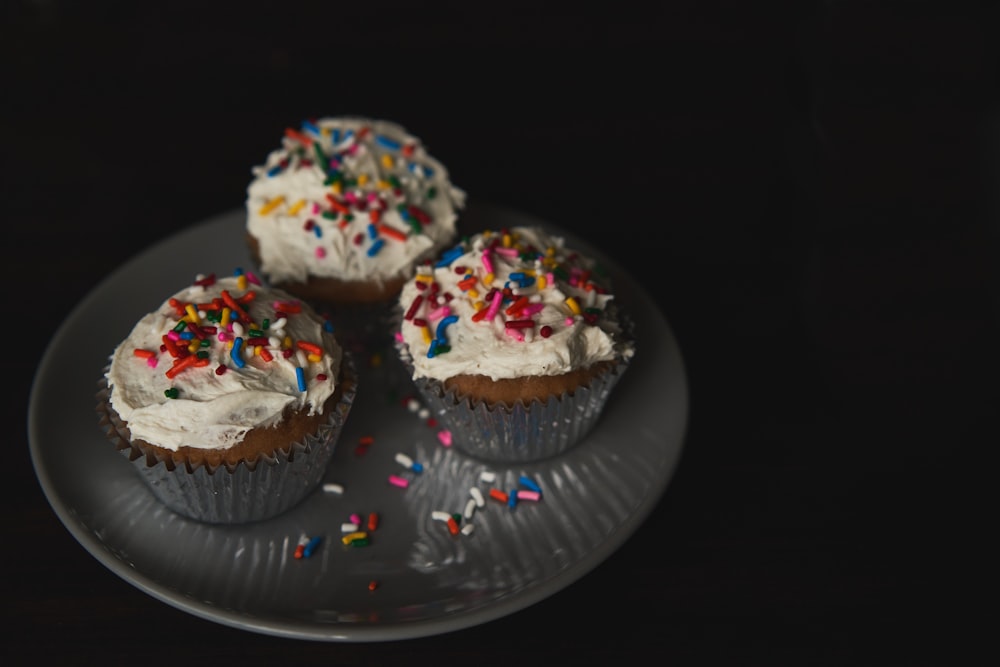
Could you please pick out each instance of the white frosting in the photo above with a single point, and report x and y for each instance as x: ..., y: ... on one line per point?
x: 490, y: 346
x: 315, y: 219
x: 214, y: 410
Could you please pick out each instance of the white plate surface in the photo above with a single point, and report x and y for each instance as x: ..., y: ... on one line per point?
x: 428, y: 581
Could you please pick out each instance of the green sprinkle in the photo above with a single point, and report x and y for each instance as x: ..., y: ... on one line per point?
x: 171, y: 393
x: 320, y: 157
x: 330, y: 215
x: 181, y: 326
x: 266, y: 324
x: 432, y: 192
x: 359, y: 542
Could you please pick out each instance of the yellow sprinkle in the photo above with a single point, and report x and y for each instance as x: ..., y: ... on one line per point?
x: 550, y: 251
x: 256, y: 350
x: 473, y: 293
x: 424, y: 279
x: 326, y: 131
x: 387, y: 161
x: 479, y: 305
x: 573, y: 305
x: 382, y: 184
x: 362, y: 179
x: 241, y: 281
x: 488, y: 279
x: 193, y: 346
x: 286, y: 342
x: 507, y: 241
x: 192, y: 314
x: 271, y: 205
x: 315, y: 358
x: 541, y: 282
x: 350, y: 537
x: 224, y: 320
x: 296, y: 207
x: 427, y: 334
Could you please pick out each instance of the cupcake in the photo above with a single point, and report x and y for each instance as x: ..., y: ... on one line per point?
x: 514, y: 341
x: 228, y: 399
x: 344, y: 210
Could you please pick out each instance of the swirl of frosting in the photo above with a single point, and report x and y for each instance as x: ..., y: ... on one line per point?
x: 350, y: 198
x: 509, y: 304
x: 220, y: 358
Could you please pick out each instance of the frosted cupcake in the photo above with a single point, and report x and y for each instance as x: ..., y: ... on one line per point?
x: 345, y: 209
x: 514, y: 341
x: 229, y: 399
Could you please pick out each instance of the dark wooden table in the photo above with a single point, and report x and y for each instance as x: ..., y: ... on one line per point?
x: 808, y: 190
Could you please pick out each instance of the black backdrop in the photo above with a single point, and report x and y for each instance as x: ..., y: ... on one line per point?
x: 806, y: 188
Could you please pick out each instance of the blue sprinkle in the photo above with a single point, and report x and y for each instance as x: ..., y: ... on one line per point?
x: 449, y: 256
x: 311, y: 546
x: 235, y: 354
x: 310, y: 127
x: 387, y: 142
x: 417, y: 467
x: 300, y: 376
x: 335, y: 136
x: 432, y: 350
x: 512, y: 498
x: 372, y: 231
x: 442, y: 325
x: 317, y: 231
x: 274, y: 171
x: 373, y: 250
x: 524, y: 480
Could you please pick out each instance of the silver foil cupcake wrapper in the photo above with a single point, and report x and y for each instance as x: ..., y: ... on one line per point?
x: 524, y: 432
x: 249, y: 491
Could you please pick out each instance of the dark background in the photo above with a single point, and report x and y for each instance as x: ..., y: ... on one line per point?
x: 807, y: 189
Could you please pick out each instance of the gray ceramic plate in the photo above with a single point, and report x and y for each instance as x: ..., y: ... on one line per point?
x: 428, y: 580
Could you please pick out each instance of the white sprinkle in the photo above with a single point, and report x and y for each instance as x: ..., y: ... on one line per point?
x: 438, y: 515
x: 477, y: 496
x: 424, y: 413
x: 470, y: 508
x: 468, y: 528
x: 348, y: 527
x: 413, y: 405
x: 404, y: 460
x: 334, y: 488
x: 304, y: 540
x: 487, y: 476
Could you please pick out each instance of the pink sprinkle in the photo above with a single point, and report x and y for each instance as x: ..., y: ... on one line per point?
x: 151, y: 362
x: 398, y: 336
x: 315, y: 208
x: 516, y: 334
x: 224, y: 336
x: 252, y: 277
x: 356, y: 518
x: 531, y: 309
x: 321, y: 252
x: 494, y: 306
x: 569, y: 321
x: 437, y: 314
x: 524, y: 494
x: 487, y: 262
x: 173, y: 335
x: 401, y: 482
x: 506, y: 252
x: 445, y: 438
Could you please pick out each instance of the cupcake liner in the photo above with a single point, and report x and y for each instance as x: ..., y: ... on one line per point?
x: 522, y: 433
x: 248, y: 491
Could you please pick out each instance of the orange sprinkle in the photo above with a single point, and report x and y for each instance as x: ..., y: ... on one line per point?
x: 372, y: 521
x: 309, y: 347
x: 392, y: 233
x: 497, y: 494
x: 145, y: 354
x: 292, y: 133
x: 181, y: 364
